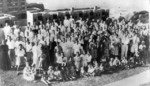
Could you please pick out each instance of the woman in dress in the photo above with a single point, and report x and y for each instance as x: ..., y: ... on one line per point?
x: 4, y: 58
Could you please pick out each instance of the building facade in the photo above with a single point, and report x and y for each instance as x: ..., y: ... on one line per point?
x: 12, y: 6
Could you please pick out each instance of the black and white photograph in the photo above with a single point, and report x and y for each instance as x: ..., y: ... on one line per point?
x: 74, y: 43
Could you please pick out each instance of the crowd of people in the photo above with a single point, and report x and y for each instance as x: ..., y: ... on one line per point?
x: 69, y: 49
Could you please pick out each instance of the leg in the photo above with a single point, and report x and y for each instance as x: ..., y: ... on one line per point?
x: 122, y: 51
x: 44, y: 81
x: 18, y: 69
x: 126, y: 51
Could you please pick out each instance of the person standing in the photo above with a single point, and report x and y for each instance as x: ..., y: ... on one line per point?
x: 11, y: 52
x: 135, y: 43
x: 124, y: 48
x: 77, y: 61
x: 20, y: 53
x: 6, y: 30
x: 4, y: 58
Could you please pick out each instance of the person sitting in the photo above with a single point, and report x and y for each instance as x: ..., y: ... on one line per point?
x: 116, y: 63
x: 64, y: 74
x: 33, y: 73
x: 96, y: 68
x: 57, y: 74
x: 64, y: 61
x: 44, y: 78
x: 124, y: 63
x: 27, y: 73
x: 72, y: 72
x: 101, y: 67
x: 50, y: 73
x: 110, y: 66
x: 89, y: 57
x: 131, y: 62
x: 82, y: 72
x: 91, y: 70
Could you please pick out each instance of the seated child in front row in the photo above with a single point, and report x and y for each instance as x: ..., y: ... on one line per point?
x: 57, y: 74
x: 29, y: 73
x: 124, y: 63
x: 44, y: 78
x: 131, y: 62
x: 116, y: 64
x: 90, y: 70
x: 50, y: 73
x: 96, y: 69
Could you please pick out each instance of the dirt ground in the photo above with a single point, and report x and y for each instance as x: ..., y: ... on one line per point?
x: 10, y: 78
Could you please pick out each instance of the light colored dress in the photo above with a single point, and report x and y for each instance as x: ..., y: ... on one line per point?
x: 36, y: 55
x: 77, y: 63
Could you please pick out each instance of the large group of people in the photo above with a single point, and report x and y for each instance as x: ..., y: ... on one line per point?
x: 69, y: 49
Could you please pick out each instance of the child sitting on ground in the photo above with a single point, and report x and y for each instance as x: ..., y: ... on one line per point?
x: 91, y: 70
x: 131, y: 62
x: 110, y: 67
x: 124, y: 63
x: 44, y: 78
x: 64, y: 74
x: 50, y: 73
x: 57, y: 74
x: 34, y: 73
x: 101, y: 67
x: 27, y: 74
x: 82, y: 72
x: 116, y: 64
x: 96, y: 69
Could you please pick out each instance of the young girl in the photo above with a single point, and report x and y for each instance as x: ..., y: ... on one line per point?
x: 44, y: 78
x: 57, y: 74
x: 20, y: 52
x: 101, y: 67
x: 50, y: 73
x: 27, y: 73
x: 116, y: 64
x: 91, y: 70
x: 96, y: 69
x: 82, y: 72
x: 124, y: 63
x: 131, y: 62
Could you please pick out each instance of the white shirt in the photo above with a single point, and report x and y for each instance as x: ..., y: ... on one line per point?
x: 89, y: 57
x: 16, y: 31
x: 125, y: 40
x: 20, y: 52
x: 58, y: 58
x: 28, y: 47
x: 11, y: 44
x: 6, y: 30
x: 17, y: 43
x: 66, y: 23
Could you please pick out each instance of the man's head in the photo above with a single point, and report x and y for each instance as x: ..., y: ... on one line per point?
x: 6, y: 24
x: 20, y: 46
